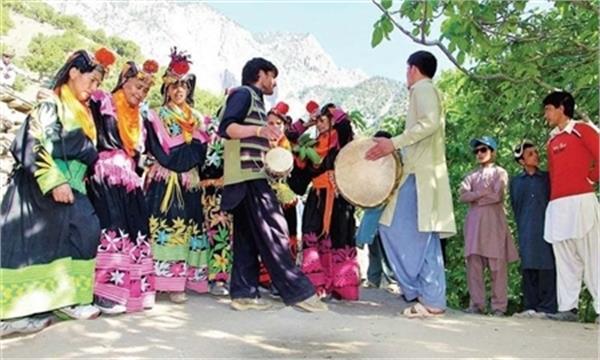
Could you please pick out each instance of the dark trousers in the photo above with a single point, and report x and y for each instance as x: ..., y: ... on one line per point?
x: 378, y: 263
x: 539, y: 290
x: 444, y: 255
x: 259, y: 228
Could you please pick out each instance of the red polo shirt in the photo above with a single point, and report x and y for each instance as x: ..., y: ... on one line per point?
x: 573, y: 155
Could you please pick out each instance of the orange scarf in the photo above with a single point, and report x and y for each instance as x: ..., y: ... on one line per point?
x: 77, y: 112
x: 128, y: 122
x: 325, y: 142
x: 284, y: 143
x: 187, y: 122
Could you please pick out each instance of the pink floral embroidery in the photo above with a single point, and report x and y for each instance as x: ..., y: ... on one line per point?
x: 178, y: 269
x: 311, y: 240
x: 341, y: 255
x: 109, y: 241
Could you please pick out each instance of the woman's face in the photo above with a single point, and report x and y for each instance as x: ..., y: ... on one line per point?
x: 177, y: 93
x: 84, y: 84
x: 323, y: 124
x: 274, y: 120
x: 135, y: 91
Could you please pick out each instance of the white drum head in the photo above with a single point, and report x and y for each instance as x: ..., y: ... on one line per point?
x: 363, y: 182
x: 279, y: 160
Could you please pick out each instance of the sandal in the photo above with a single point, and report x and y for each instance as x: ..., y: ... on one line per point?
x: 419, y: 311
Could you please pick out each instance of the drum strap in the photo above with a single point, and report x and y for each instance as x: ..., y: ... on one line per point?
x: 323, y: 181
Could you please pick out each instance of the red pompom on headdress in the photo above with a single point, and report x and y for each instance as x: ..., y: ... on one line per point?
x: 150, y: 67
x: 105, y: 57
x: 180, y: 62
x: 312, y: 107
x: 281, y: 108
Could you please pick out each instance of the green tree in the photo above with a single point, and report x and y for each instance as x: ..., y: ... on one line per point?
x: 6, y: 22
x: 524, y: 49
x: 46, y: 14
x: 508, y: 55
x: 207, y: 102
x: 125, y: 48
x: 48, y: 53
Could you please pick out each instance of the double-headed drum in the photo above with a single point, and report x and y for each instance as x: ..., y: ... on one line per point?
x: 366, y: 183
x: 279, y: 163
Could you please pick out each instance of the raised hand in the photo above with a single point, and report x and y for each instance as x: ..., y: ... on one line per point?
x: 273, y: 133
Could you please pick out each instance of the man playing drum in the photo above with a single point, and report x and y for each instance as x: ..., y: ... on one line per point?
x: 259, y: 225
x: 421, y: 212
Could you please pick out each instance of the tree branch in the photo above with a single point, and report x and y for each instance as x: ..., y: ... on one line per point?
x: 469, y: 73
x: 422, y: 41
x: 423, y: 21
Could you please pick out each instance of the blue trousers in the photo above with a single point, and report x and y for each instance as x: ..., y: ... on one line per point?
x: 415, y: 257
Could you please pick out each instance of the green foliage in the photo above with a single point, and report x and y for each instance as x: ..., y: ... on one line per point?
x: 6, y: 22
x: 393, y: 125
x: 46, y: 14
x: 155, y: 98
x: 125, y: 48
x: 527, y: 50
x: 207, y: 102
x: 21, y: 83
x: 382, y: 28
x: 357, y: 119
x: 48, y: 53
x: 514, y: 55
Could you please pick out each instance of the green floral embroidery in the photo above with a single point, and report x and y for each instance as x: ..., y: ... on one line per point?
x: 176, y: 240
x: 45, y: 287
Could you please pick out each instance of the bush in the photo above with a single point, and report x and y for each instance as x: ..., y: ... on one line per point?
x: 48, y: 53
x: 6, y: 22
x: 21, y: 83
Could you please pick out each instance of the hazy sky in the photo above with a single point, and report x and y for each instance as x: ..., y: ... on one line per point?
x: 342, y: 27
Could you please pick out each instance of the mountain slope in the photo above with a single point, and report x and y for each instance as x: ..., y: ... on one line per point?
x: 220, y: 47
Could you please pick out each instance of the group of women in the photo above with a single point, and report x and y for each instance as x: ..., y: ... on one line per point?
x: 111, y: 202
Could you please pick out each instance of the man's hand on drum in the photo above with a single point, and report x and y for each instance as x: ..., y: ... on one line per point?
x: 382, y: 148
x: 271, y: 132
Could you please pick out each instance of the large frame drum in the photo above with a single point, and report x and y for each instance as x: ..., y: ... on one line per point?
x: 366, y: 183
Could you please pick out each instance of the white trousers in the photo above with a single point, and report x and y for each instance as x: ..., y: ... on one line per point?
x: 577, y: 259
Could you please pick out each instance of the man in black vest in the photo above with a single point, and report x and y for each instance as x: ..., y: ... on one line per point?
x: 259, y: 225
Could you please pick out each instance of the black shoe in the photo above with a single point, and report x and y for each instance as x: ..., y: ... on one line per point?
x: 275, y: 293
x: 570, y: 315
x: 473, y: 310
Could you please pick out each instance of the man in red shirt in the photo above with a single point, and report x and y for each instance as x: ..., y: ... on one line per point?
x: 573, y: 215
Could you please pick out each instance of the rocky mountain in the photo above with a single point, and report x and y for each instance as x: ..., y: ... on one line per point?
x: 219, y: 48
x: 376, y: 98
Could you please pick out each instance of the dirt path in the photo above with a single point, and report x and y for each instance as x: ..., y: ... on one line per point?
x: 206, y: 328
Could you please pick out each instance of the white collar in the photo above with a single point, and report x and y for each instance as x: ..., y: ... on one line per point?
x: 568, y: 129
